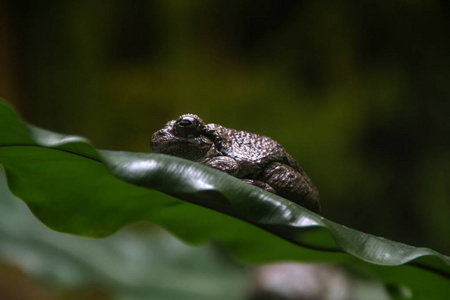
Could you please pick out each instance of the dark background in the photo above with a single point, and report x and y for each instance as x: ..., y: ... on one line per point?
x: 357, y: 91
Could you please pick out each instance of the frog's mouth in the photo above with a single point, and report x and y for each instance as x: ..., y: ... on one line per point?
x: 164, y: 141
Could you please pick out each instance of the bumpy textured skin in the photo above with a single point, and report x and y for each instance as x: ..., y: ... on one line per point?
x: 256, y: 159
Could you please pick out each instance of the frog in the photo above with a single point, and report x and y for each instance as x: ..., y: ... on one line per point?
x: 253, y: 158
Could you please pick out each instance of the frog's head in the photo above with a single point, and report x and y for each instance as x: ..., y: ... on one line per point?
x: 183, y: 138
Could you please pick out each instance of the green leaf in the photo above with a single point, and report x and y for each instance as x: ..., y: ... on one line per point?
x: 72, y: 187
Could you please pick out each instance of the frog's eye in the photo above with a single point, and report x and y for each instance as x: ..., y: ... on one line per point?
x: 186, y: 123
x: 187, y: 126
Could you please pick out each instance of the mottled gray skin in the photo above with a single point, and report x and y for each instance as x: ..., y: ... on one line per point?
x: 256, y: 159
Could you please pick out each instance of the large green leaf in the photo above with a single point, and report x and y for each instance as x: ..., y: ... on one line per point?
x: 146, y: 259
x: 72, y: 187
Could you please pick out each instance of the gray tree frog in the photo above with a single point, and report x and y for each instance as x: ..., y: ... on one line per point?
x: 255, y: 159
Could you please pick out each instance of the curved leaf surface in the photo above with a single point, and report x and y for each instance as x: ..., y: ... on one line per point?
x: 72, y: 187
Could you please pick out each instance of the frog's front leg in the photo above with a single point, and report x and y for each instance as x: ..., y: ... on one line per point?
x: 223, y: 163
x: 293, y: 185
x: 230, y: 166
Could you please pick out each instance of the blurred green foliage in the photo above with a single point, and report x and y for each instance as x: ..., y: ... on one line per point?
x: 357, y: 92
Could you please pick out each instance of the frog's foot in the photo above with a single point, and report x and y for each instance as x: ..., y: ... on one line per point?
x: 260, y: 184
x: 293, y: 185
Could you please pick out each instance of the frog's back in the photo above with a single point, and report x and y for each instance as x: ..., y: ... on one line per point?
x: 249, y: 147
